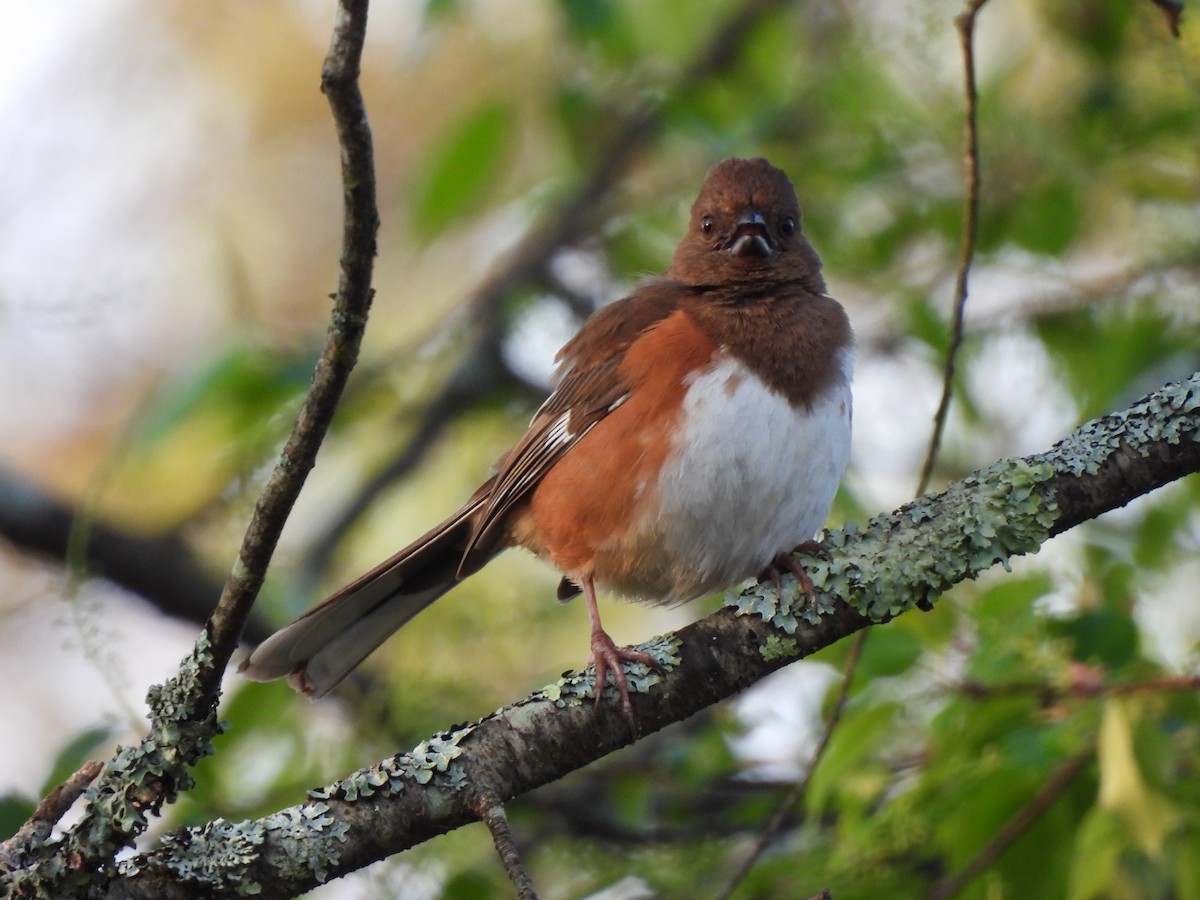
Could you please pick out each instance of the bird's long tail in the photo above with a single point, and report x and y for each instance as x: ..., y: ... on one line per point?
x: 324, y: 645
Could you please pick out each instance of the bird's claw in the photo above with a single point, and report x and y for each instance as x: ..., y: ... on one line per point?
x: 606, y: 656
x: 786, y: 561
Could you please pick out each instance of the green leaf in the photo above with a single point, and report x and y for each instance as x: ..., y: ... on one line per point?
x: 81, y: 748
x: 1187, y: 866
x: 889, y: 651
x: 588, y: 18
x: 1099, y: 843
x: 464, y: 168
x: 1047, y: 217
x: 987, y: 795
x: 1148, y: 816
x: 859, y: 735
x: 927, y: 324
x: 441, y: 9
x: 1104, y: 636
x: 1104, y: 352
x: 14, y: 812
x: 467, y: 885
x: 245, y: 383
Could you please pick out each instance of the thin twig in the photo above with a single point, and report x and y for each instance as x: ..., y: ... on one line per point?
x: 1020, y: 822
x: 1173, y: 10
x: 48, y: 813
x: 493, y: 816
x: 352, y: 302
x: 183, y: 710
x: 1049, y: 695
x: 801, y: 787
x: 965, y: 23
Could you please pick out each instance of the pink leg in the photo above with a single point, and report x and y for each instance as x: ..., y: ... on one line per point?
x: 607, y: 655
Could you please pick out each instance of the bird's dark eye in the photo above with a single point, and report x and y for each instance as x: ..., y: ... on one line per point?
x: 706, y: 224
x: 788, y: 226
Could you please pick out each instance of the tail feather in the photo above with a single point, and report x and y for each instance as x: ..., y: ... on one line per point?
x: 324, y: 645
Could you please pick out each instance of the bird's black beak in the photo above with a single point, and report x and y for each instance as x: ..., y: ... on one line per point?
x: 750, y: 236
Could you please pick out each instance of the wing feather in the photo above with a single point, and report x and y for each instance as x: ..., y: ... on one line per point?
x: 589, y: 385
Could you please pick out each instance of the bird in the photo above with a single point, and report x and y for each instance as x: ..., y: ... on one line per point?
x: 697, y: 431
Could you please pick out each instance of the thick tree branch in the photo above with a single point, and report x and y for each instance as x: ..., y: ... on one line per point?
x: 878, y: 570
x: 159, y: 568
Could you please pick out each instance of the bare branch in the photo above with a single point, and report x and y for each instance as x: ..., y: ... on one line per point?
x: 159, y: 568
x: 139, y: 781
x: 800, y: 788
x: 965, y: 23
x: 1086, y: 686
x: 1055, y: 786
x: 352, y: 302
x: 492, y: 815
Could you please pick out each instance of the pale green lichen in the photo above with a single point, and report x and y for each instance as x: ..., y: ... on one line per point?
x: 135, y: 783
x: 431, y: 761
x: 777, y: 647
x: 308, y: 838
x: 214, y: 857
x: 220, y: 856
x: 576, y: 687
x: 916, y: 553
x: 1171, y: 414
x: 779, y: 607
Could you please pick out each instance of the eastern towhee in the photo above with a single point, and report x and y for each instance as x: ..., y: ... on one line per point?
x: 697, y: 431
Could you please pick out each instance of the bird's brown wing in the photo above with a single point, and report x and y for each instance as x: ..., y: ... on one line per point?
x: 589, y: 386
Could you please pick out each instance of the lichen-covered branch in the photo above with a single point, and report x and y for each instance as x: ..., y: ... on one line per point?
x: 877, y: 571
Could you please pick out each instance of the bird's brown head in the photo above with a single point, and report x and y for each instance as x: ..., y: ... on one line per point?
x: 745, y: 227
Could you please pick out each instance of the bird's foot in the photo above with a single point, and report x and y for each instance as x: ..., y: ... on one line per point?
x: 606, y: 656
x: 787, y: 562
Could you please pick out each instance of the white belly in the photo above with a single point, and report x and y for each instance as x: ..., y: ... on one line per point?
x: 751, y: 478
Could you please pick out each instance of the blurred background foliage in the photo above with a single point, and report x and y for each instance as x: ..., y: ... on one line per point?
x: 152, y: 392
